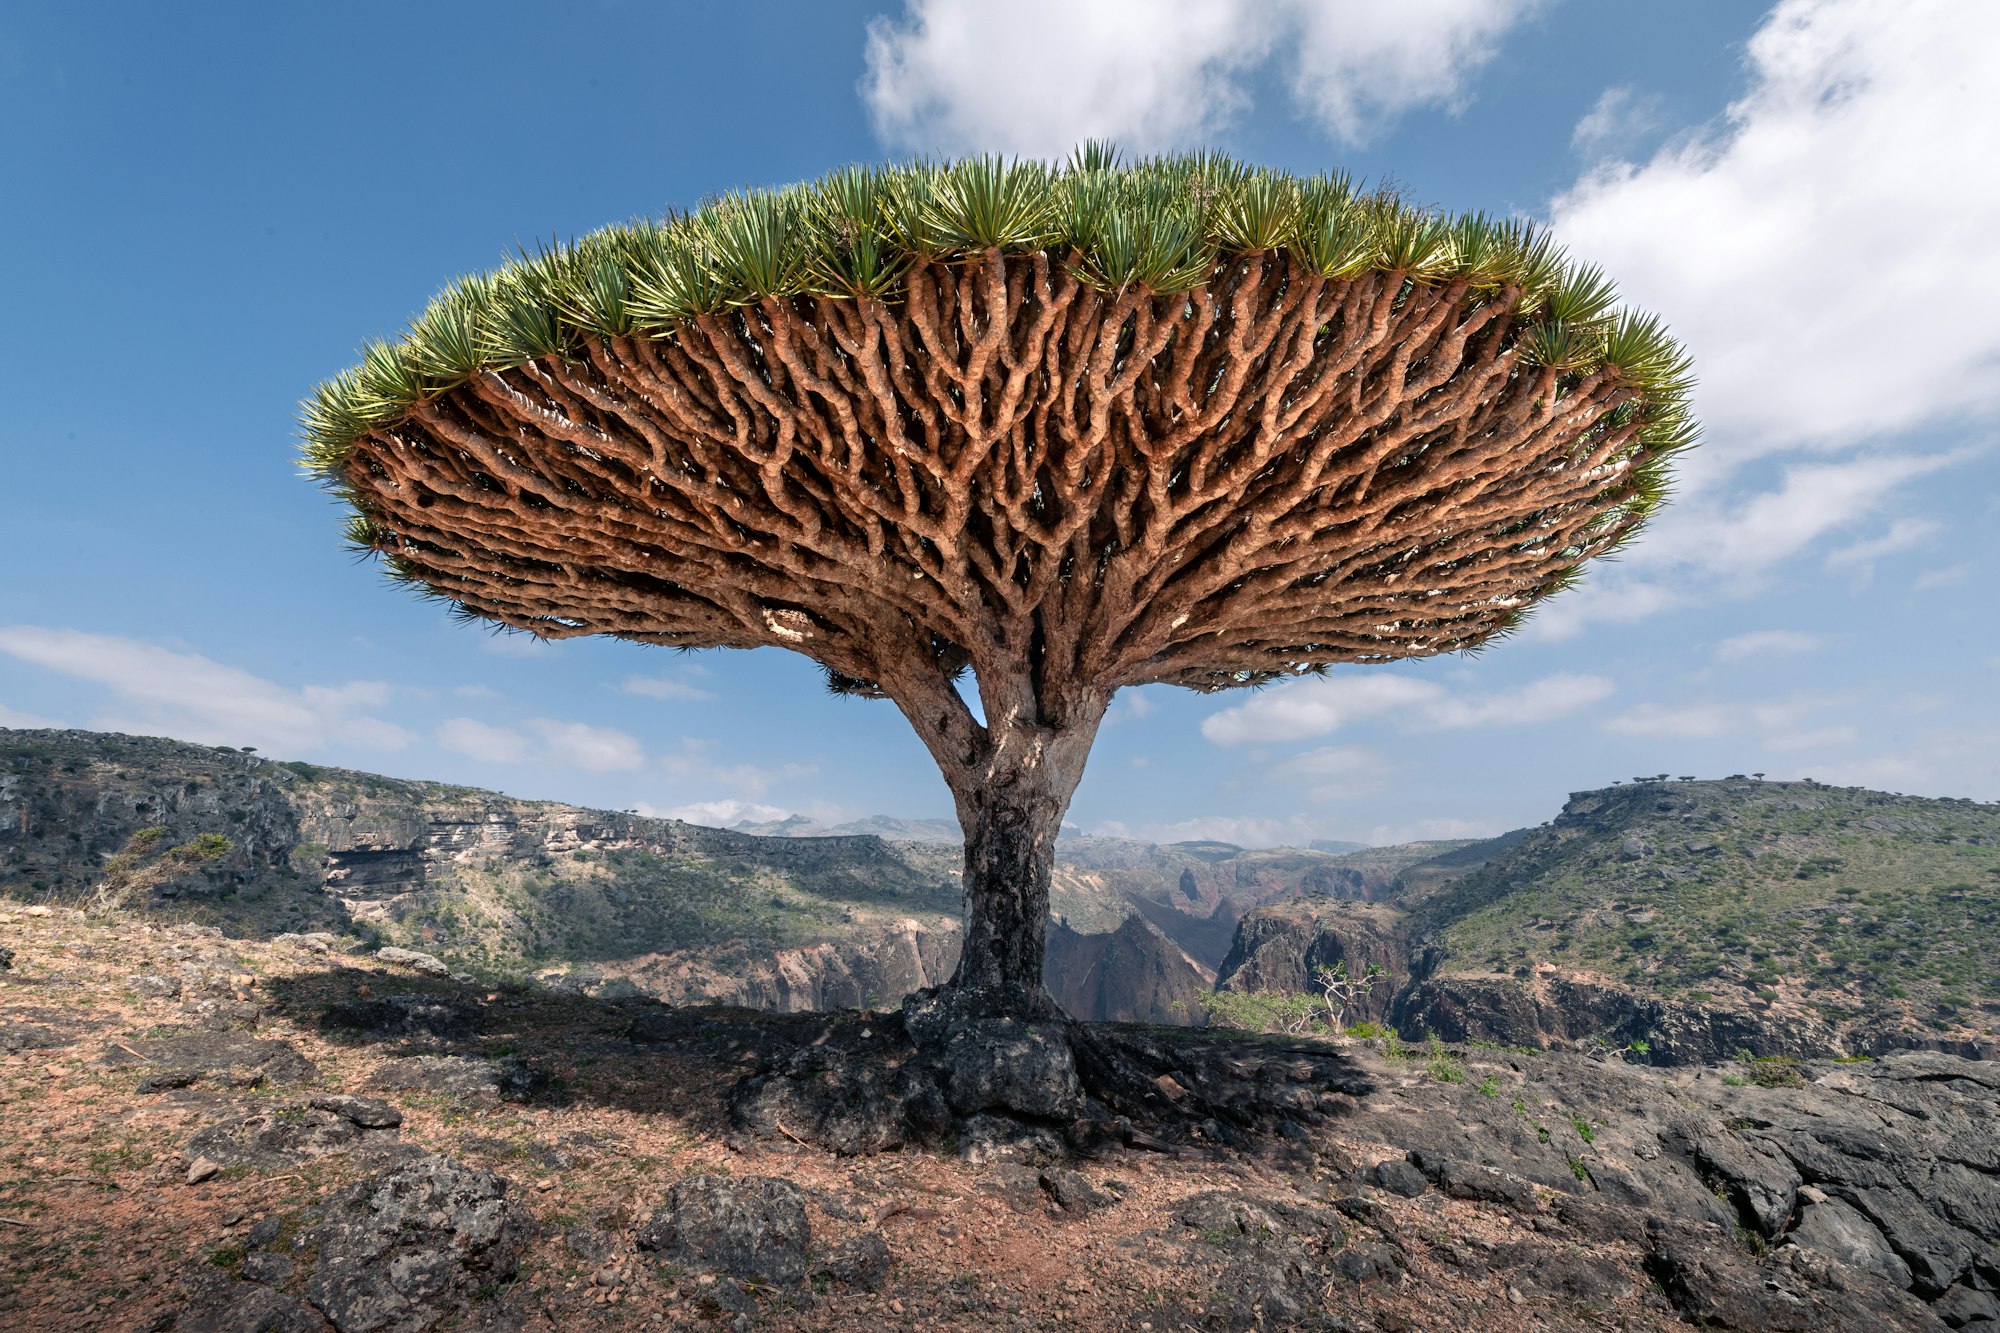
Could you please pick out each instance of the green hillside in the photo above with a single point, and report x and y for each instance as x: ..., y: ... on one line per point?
x: 1837, y: 902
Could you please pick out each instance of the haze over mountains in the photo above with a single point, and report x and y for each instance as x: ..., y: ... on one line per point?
x: 1689, y: 917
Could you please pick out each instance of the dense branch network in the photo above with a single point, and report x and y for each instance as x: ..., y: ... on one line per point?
x: 1270, y: 473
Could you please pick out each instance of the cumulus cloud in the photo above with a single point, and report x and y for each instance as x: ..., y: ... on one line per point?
x: 165, y: 691
x: 1798, y: 245
x: 593, y: 749
x: 545, y: 741
x: 1294, y: 830
x: 1785, y: 724
x: 1360, y: 63
x: 1433, y: 830
x: 1335, y: 772
x: 718, y: 814
x: 1324, y: 704
x: 1901, y: 535
x: 484, y: 742
x: 1131, y: 706
x: 1721, y: 543
x: 697, y: 765
x: 1766, y: 642
x: 1620, y: 116
x: 1242, y: 830
x: 1813, y: 248
x: 1942, y: 578
x: 963, y: 75
x: 1943, y: 761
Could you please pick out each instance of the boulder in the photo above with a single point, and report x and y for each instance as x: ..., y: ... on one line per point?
x: 416, y: 961
x: 746, y: 1227
x: 856, y: 1092
x: 861, y: 1263
x: 408, y: 1250
x: 1398, y: 1177
x: 1467, y: 1180
x: 286, y: 1135
x: 18, y: 1037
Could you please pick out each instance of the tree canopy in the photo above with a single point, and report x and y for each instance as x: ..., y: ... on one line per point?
x: 1243, y: 406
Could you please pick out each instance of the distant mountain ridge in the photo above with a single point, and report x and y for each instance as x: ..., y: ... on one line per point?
x: 809, y: 918
x: 1690, y: 917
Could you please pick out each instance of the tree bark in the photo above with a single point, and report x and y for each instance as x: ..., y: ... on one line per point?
x: 1012, y: 778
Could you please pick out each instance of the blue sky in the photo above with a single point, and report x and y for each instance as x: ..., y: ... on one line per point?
x: 209, y: 208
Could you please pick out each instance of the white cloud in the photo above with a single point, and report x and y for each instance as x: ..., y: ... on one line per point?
x: 1945, y: 761
x: 719, y: 814
x: 1784, y: 724
x: 155, y: 689
x: 481, y: 741
x: 1759, y: 643
x: 1244, y: 831
x: 1746, y: 538
x: 1818, y: 251
x: 1320, y: 705
x: 664, y: 687
x: 1294, y: 830
x: 594, y: 749
x: 1542, y: 700
x: 26, y: 721
x: 1037, y: 77
x: 570, y: 744
x: 1432, y: 830
x: 1812, y: 738
x: 1335, y: 772
x: 484, y: 693
x: 1903, y: 534
x: 1361, y: 62
x: 696, y: 765
x: 1721, y: 544
x: 1614, y: 121
x: 1942, y: 578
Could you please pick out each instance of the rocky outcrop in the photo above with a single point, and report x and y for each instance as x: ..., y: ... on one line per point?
x: 1550, y: 1009
x: 754, y: 1227
x: 1282, y: 946
x: 405, y: 1251
x: 69, y: 799
x: 872, y: 967
x: 1135, y: 974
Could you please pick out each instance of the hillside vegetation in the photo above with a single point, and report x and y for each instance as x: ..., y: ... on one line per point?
x: 1836, y: 901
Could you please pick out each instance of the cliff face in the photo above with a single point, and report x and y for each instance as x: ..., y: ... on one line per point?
x: 1694, y: 918
x: 68, y: 800
x: 1134, y: 974
x: 587, y: 899
x: 1281, y: 947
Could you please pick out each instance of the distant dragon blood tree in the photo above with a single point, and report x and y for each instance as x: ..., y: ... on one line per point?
x: 1067, y: 428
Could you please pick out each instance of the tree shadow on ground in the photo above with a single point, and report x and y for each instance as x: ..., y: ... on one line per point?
x: 1169, y: 1089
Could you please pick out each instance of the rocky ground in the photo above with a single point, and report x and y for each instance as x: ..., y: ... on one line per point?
x: 213, y: 1134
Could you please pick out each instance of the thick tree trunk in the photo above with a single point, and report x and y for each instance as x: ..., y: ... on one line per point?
x: 1012, y: 778
x: 1010, y: 838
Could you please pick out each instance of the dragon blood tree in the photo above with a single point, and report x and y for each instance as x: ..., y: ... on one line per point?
x: 1068, y: 429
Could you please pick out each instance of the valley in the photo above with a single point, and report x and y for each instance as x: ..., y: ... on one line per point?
x: 1693, y: 918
